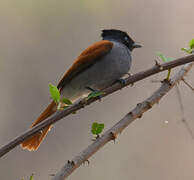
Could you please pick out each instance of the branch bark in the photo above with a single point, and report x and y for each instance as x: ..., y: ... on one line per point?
x: 112, y: 133
x: 61, y: 114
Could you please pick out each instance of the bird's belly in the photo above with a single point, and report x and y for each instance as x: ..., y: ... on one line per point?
x: 99, y: 76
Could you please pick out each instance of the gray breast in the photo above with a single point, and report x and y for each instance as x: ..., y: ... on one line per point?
x: 102, y: 74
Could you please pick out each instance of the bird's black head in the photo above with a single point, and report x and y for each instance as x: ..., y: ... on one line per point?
x: 120, y: 36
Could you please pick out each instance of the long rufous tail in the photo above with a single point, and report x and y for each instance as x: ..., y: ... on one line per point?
x: 34, y: 142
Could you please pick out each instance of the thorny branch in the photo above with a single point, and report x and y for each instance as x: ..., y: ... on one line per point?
x: 76, y: 106
x: 112, y: 133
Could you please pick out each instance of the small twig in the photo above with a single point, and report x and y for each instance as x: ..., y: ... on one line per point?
x: 122, y: 124
x: 183, y: 119
x: 180, y: 101
x: 187, y: 84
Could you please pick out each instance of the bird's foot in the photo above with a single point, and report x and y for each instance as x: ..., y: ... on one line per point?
x: 94, y: 93
x: 122, y: 81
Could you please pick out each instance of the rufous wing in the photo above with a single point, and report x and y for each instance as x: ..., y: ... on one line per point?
x: 86, y: 59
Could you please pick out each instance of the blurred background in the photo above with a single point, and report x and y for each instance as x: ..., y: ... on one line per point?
x: 39, y: 40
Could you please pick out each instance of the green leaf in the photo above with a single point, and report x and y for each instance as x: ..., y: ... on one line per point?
x: 161, y: 57
x: 97, y: 128
x: 94, y: 128
x: 187, y: 50
x: 66, y: 101
x: 191, y: 44
x: 95, y: 94
x: 31, y: 177
x: 100, y: 128
x: 54, y: 92
x: 164, y: 58
x: 169, y: 59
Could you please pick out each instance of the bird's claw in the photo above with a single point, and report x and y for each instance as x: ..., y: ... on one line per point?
x: 122, y: 81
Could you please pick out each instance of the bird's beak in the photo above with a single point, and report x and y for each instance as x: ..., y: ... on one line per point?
x: 135, y: 45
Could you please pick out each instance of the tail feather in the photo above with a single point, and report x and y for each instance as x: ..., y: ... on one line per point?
x: 34, y: 142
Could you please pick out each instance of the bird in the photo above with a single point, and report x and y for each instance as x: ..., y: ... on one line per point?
x: 97, y: 67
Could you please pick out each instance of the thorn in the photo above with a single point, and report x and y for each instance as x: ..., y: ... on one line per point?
x: 149, y: 104
x: 88, y: 162
x: 131, y: 114
x: 157, y: 63
x: 71, y: 162
x: 139, y: 104
x: 114, y: 136
x: 97, y: 137
x: 140, y: 116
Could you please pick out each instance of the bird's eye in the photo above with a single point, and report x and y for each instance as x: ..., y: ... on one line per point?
x: 126, y: 39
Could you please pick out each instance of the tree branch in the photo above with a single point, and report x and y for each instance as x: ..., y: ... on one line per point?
x: 112, y: 133
x: 76, y: 106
